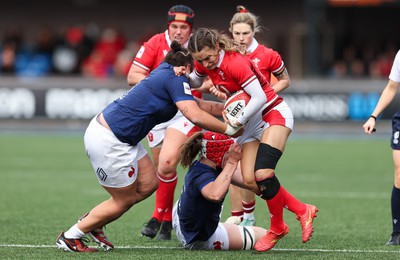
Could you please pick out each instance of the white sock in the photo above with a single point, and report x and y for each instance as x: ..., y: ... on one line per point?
x: 248, y: 215
x: 74, y: 232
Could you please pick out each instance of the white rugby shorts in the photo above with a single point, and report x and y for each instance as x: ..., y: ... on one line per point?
x: 114, y: 162
x: 218, y: 241
x: 281, y: 114
x: 179, y: 122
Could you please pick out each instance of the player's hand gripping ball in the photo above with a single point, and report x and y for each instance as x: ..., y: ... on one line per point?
x: 235, y: 106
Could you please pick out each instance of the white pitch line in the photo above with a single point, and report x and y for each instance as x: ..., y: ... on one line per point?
x: 274, y: 249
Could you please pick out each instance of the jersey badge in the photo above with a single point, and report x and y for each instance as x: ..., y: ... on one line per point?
x: 256, y: 61
x: 221, y: 74
x: 140, y: 52
x: 186, y: 88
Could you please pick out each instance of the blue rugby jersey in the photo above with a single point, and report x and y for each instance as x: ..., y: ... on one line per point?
x: 198, y: 217
x: 150, y: 102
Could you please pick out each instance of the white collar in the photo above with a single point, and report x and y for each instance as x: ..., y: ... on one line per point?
x: 221, y: 57
x: 253, y: 46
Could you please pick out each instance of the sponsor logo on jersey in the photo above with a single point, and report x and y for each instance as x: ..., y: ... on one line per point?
x: 396, y: 137
x: 186, y: 88
x: 140, y: 52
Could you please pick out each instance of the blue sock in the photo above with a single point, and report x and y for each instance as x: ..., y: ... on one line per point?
x: 395, y: 203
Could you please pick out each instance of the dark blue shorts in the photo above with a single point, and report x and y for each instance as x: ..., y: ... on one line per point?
x: 395, y: 139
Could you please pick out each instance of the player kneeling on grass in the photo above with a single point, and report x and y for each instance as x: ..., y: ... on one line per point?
x: 196, y: 215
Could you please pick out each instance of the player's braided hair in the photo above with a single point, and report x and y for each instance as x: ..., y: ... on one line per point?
x: 178, y: 55
x: 205, y: 37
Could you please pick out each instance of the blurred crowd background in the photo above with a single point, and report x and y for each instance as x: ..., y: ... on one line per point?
x: 76, y: 50
x: 99, y: 38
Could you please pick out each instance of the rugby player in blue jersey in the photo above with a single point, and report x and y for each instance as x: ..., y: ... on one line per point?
x: 196, y: 215
x: 112, y: 142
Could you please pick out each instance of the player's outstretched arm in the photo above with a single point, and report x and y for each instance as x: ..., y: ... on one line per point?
x: 212, y: 107
x: 201, y: 118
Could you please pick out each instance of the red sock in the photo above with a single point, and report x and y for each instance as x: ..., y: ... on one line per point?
x: 237, y: 214
x: 291, y: 203
x: 275, y: 206
x: 165, y: 197
x: 248, y: 208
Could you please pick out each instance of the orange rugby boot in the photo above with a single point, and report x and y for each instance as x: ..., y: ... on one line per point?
x: 270, y: 239
x: 306, y: 222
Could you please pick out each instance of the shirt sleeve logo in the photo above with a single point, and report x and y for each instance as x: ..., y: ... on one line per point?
x: 140, y: 52
x: 186, y: 88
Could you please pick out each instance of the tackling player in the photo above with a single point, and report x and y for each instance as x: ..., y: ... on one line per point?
x: 165, y: 139
x: 112, y: 142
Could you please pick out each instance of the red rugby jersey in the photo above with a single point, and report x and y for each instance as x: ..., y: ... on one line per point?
x: 234, y: 73
x: 267, y: 60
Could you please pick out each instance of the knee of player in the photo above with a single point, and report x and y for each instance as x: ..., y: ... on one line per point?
x: 248, y: 182
x: 125, y: 203
x: 167, y: 167
x: 266, y: 159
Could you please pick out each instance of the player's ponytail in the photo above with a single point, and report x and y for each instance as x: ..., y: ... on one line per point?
x: 243, y: 15
x: 178, y: 55
x: 190, y: 149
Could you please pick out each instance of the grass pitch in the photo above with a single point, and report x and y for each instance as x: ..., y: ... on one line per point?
x: 47, y: 182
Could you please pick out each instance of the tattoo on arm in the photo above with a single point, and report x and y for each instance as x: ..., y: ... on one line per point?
x: 184, y: 110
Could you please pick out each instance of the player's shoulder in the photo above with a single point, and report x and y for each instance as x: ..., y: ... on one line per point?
x: 169, y: 74
x: 234, y: 61
x: 234, y: 57
x: 267, y: 51
x: 157, y: 39
x: 157, y: 36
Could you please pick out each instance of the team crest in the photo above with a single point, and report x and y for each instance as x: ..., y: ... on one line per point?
x: 256, y: 61
x: 221, y: 74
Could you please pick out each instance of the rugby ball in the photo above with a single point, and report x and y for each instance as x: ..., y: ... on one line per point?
x: 236, y: 103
